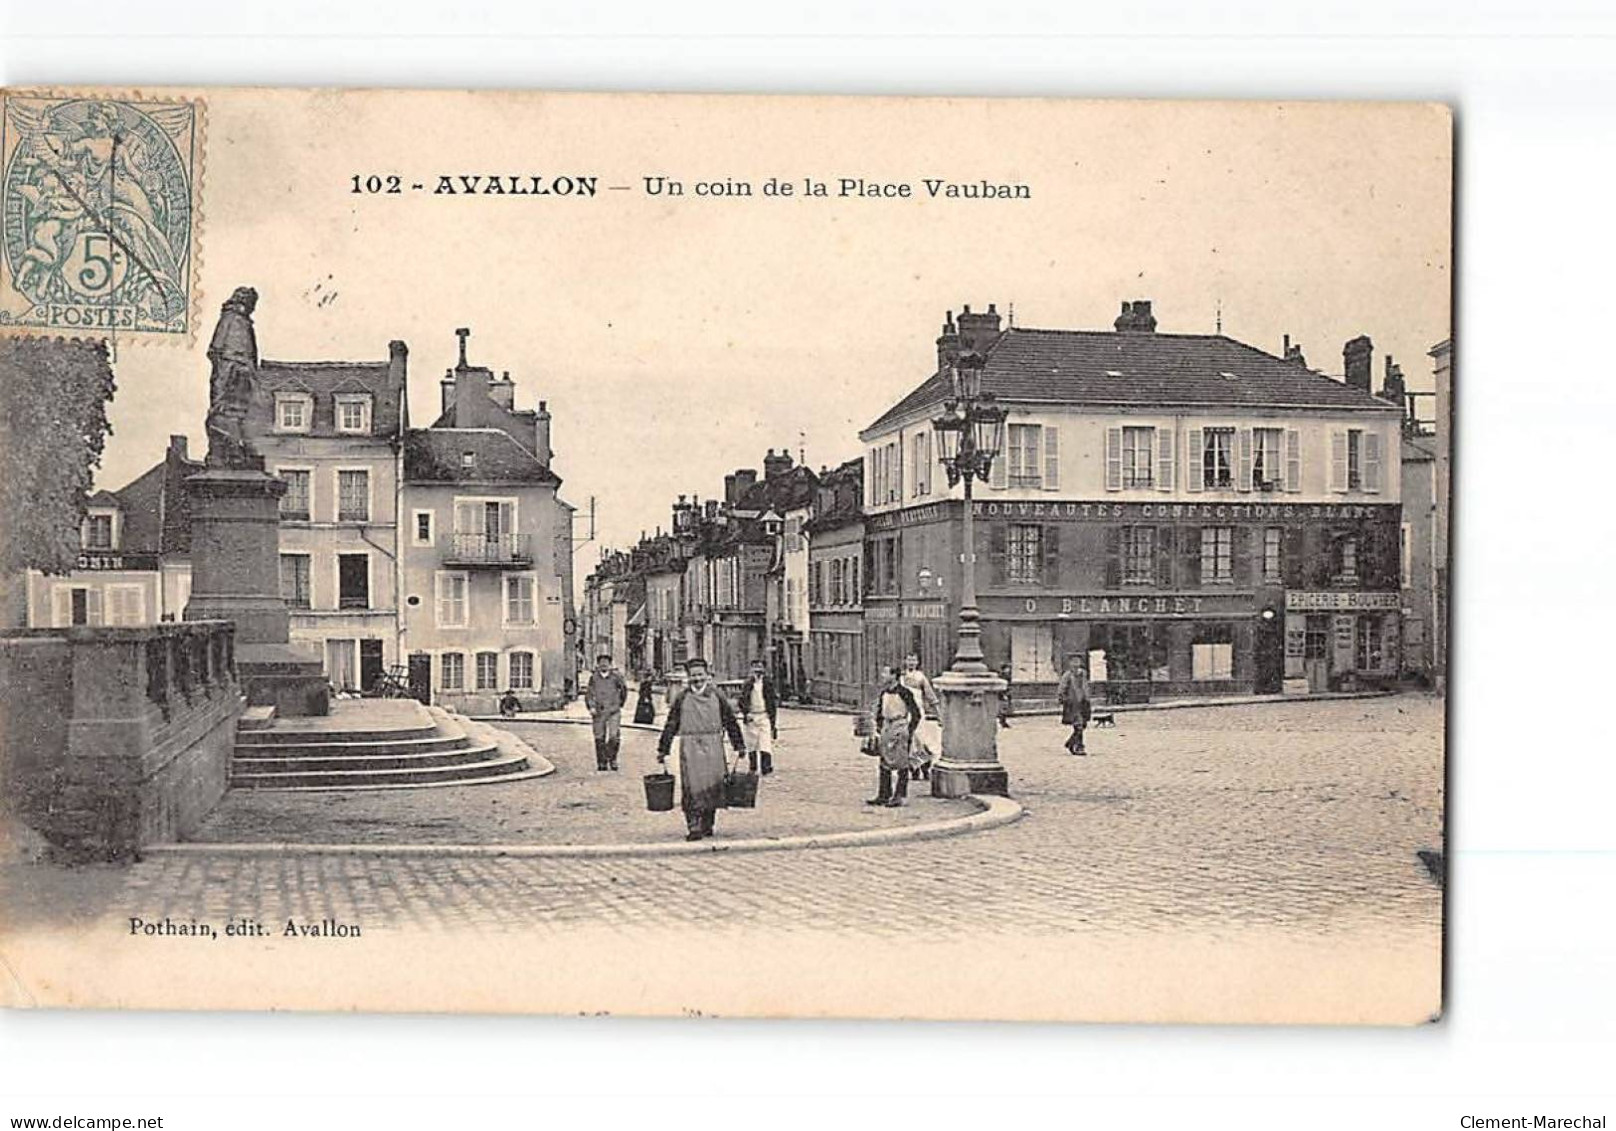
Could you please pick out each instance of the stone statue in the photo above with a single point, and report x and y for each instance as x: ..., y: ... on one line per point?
x: 234, y: 353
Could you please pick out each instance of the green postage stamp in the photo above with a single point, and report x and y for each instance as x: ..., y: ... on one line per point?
x: 98, y: 214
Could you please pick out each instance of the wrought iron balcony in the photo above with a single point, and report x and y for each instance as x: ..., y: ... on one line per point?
x: 500, y: 551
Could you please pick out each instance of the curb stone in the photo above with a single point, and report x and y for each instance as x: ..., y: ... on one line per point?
x: 992, y: 813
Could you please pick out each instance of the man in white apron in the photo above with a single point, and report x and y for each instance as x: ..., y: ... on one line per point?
x: 759, y: 719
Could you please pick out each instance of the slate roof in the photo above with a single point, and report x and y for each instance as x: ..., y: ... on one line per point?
x: 433, y: 455
x: 324, y: 379
x: 156, y: 508
x: 788, y: 491
x: 1074, y: 367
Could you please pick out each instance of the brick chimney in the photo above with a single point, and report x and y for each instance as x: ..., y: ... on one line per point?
x: 1135, y: 318
x: 776, y: 465
x: 978, y: 331
x: 179, y: 447
x: 503, y: 390
x: 738, y: 483
x: 541, y: 434
x: 1293, y: 353
x: 948, y: 344
x: 1358, y: 359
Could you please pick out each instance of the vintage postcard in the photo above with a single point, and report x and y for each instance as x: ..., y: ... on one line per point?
x: 717, y: 555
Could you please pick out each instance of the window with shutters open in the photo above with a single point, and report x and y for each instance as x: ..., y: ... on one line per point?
x: 1138, y: 452
x: 1025, y: 450
x: 1217, y: 458
x: 1267, y: 465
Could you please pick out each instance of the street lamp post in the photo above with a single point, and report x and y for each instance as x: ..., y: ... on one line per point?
x: 970, y: 435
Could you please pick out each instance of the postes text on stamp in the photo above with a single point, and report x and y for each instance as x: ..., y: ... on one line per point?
x: 97, y: 214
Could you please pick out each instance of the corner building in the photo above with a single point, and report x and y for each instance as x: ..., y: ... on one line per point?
x: 1193, y: 515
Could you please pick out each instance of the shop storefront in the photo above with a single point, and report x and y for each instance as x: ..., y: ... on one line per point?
x: 1341, y: 640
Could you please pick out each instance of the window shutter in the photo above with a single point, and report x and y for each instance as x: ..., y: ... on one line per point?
x: 1292, y: 554
x: 999, y: 475
x: 93, y: 604
x: 1051, y: 538
x: 996, y: 551
x: 1293, y: 460
x: 1193, y: 461
x: 1051, y: 458
x: 1189, y: 545
x: 1240, y: 554
x: 1242, y: 473
x: 1371, y: 475
x: 1165, y: 550
x: 61, y: 607
x: 897, y: 467
x: 1113, y: 557
x: 1338, y: 460
x: 1164, y: 459
x: 1113, y: 459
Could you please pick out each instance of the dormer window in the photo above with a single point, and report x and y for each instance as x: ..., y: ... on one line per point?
x: 294, y: 412
x: 98, y: 532
x: 468, y: 461
x: 353, y: 413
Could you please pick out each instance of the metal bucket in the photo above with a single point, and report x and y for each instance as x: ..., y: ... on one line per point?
x: 659, y: 792
x: 740, y: 789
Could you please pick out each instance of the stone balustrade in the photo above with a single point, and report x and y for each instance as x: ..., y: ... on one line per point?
x: 114, y: 738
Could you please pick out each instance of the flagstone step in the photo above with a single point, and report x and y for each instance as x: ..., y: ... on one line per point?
x: 338, y: 744
x: 275, y: 736
x: 460, y: 753
x: 491, y: 765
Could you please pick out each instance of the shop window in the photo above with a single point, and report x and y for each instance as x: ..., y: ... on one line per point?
x: 1138, y: 448
x: 1371, y: 644
x: 1217, y: 457
x: 1032, y: 649
x: 1217, y: 554
x: 1025, y: 547
x: 1316, y: 642
x: 1212, y: 653
x: 1138, y: 555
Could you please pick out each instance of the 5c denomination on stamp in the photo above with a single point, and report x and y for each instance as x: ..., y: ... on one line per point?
x: 98, y: 213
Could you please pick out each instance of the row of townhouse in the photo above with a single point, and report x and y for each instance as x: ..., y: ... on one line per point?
x: 728, y: 582
x: 442, y: 553
x: 1189, y: 514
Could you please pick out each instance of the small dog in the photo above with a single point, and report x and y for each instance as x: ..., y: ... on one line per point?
x: 1103, y: 719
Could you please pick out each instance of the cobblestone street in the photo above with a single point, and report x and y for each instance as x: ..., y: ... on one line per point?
x: 1294, y: 814
x: 1295, y: 822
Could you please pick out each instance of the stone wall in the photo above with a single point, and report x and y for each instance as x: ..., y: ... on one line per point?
x: 116, y: 738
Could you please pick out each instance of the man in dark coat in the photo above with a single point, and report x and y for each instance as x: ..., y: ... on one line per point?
x: 897, y: 715
x: 1075, y: 704
x: 605, y: 696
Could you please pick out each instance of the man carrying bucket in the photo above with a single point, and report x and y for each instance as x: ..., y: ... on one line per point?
x: 700, y: 718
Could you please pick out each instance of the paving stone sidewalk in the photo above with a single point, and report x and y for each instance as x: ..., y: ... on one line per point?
x: 818, y: 787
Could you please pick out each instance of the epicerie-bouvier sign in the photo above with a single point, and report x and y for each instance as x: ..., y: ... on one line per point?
x: 96, y: 215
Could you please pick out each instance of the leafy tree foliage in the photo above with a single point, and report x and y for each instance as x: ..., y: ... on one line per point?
x: 53, y: 427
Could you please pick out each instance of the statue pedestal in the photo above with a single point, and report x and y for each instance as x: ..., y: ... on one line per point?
x: 970, y: 716
x: 235, y: 576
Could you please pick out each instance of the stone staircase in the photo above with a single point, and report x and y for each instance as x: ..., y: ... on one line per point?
x: 369, y: 744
